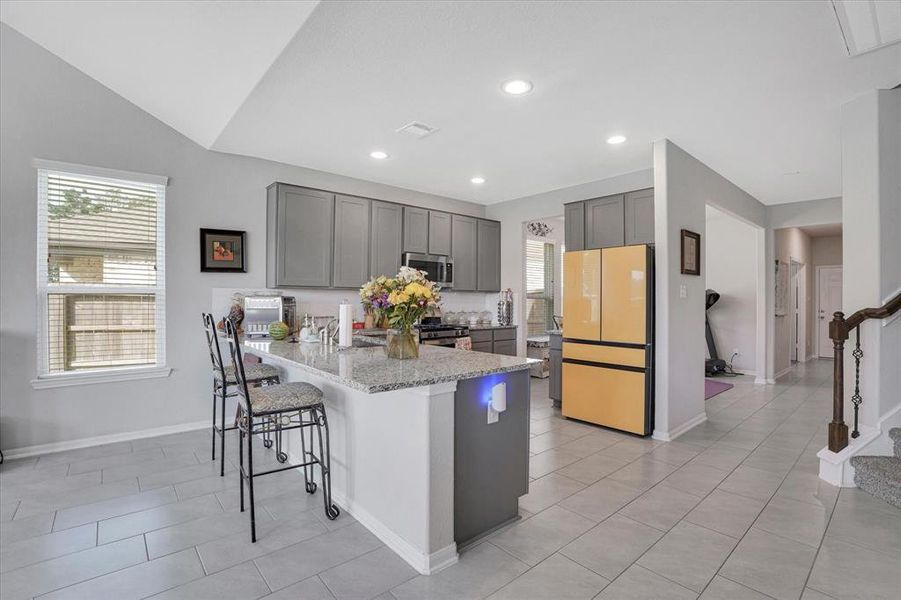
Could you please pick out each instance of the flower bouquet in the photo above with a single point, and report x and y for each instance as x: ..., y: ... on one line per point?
x: 403, y: 300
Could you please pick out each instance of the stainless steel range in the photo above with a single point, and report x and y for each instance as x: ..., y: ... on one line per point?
x: 433, y: 332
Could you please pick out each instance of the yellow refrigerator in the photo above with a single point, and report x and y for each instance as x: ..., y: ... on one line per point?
x: 608, y: 337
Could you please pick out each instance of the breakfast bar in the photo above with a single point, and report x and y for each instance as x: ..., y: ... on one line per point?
x: 429, y: 453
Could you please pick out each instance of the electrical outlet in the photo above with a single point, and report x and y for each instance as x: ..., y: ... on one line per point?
x: 493, y: 415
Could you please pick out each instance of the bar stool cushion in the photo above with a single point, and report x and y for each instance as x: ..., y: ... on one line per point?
x: 284, y: 397
x: 252, y: 372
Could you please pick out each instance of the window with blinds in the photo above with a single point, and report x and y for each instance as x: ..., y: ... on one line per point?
x: 101, y: 283
x: 539, y: 286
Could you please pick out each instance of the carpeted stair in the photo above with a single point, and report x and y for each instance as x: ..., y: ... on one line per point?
x: 880, y: 476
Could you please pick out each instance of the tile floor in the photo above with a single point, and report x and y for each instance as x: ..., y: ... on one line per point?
x: 732, y: 510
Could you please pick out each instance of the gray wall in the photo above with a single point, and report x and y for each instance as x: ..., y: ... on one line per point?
x: 50, y: 110
x: 683, y: 186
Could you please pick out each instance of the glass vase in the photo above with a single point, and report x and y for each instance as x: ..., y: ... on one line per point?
x: 402, y: 344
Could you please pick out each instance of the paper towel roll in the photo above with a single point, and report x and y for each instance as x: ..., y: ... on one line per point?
x: 345, y: 324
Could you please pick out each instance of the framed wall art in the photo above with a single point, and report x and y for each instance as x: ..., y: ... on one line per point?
x: 222, y: 250
x: 691, y: 252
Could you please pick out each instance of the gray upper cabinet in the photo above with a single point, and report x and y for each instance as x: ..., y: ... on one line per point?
x: 439, y: 233
x: 639, y: 210
x: 604, y: 222
x: 416, y: 230
x: 351, y: 256
x: 464, y: 239
x: 574, y: 226
x: 385, y: 247
x: 317, y: 238
x: 300, y: 249
x: 488, y: 275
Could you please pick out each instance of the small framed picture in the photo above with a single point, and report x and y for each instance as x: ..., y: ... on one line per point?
x: 222, y: 250
x: 691, y: 252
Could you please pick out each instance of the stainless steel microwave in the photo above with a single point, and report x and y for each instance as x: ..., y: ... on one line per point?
x: 439, y: 269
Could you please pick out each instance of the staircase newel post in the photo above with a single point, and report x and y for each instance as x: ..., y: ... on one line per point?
x: 838, y: 430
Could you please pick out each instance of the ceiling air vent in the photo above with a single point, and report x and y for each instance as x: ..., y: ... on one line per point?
x: 417, y: 129
x: 867, y: 25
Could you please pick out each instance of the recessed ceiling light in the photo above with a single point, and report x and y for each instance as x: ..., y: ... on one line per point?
x: 517, y: 87
x: 478, y: 180
x: 378, y: 154
x: 616, y: 139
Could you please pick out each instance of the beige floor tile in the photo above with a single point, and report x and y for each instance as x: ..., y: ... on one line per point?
x: 773, y: 565
x: 726, y: 513
x: 847, y: 571
x: 660, y: 507
x: 557, y: 577
x: 536, y: 538
x: 637, y: 583
x: 609, y: 548
x: 688, y: 554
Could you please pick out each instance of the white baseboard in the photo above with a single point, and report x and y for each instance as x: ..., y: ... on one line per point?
x: 782, y: 372
x: 40, y: 449
x: 668, y: 436
x: 426, y: 564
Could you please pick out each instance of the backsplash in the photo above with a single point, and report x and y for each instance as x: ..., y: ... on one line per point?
x: 322, y: 303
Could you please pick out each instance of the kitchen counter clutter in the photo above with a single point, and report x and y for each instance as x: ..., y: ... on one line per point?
x: 430, y: 453
x: 366, y: 368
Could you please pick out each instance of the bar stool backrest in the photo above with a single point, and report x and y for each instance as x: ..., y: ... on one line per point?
x: 234, y: 346
x: 212, y: 341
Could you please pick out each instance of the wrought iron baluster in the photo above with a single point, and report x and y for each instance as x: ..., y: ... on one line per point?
x: 856, y: 399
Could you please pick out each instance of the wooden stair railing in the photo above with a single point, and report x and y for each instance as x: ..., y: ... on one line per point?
x: 839, y: 331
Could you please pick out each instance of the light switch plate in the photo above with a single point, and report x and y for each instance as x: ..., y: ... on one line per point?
x: 683, y: 291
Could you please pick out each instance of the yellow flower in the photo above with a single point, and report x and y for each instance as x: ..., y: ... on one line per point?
x: 398, y: 297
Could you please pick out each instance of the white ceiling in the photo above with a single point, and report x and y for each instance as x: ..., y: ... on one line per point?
x: 189, y: 64
x: 753, y: 89
x: 830, y: 229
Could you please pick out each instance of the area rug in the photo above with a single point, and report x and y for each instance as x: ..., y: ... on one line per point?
x: 712, y: 388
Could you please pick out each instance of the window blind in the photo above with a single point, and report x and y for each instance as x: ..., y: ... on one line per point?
x: 539, y: 286
x: 101, y: 265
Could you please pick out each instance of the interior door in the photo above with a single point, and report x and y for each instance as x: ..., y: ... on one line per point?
x: 829, y: 300
x: 582, y: 295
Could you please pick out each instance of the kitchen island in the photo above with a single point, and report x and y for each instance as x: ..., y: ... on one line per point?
x: 413, y: 455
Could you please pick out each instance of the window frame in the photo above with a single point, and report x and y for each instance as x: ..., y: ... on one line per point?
x: 549, y: 291
x: 45, y: 379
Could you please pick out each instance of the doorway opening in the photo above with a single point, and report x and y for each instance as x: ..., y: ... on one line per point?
x: 733, y: 294
x: 542, y: 260
x: 798, y: 311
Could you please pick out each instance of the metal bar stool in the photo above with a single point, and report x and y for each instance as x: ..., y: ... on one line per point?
x: 223, y: 379
x: 296, y: 405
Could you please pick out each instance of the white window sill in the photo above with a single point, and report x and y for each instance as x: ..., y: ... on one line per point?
x: 108, y: 376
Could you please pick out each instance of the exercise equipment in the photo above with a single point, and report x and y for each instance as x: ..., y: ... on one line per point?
x: 713, y: 365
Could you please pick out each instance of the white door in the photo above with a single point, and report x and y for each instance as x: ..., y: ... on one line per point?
x: 829, y: 300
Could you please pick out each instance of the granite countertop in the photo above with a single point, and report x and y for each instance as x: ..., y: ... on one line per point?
x: 368, y: 370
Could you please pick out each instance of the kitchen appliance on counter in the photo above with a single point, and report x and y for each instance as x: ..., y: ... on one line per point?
x: 260, y: 311
x: 608, y: 337
x: 433, y: 332
x: 439, y: 269
x: 505, y: 308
